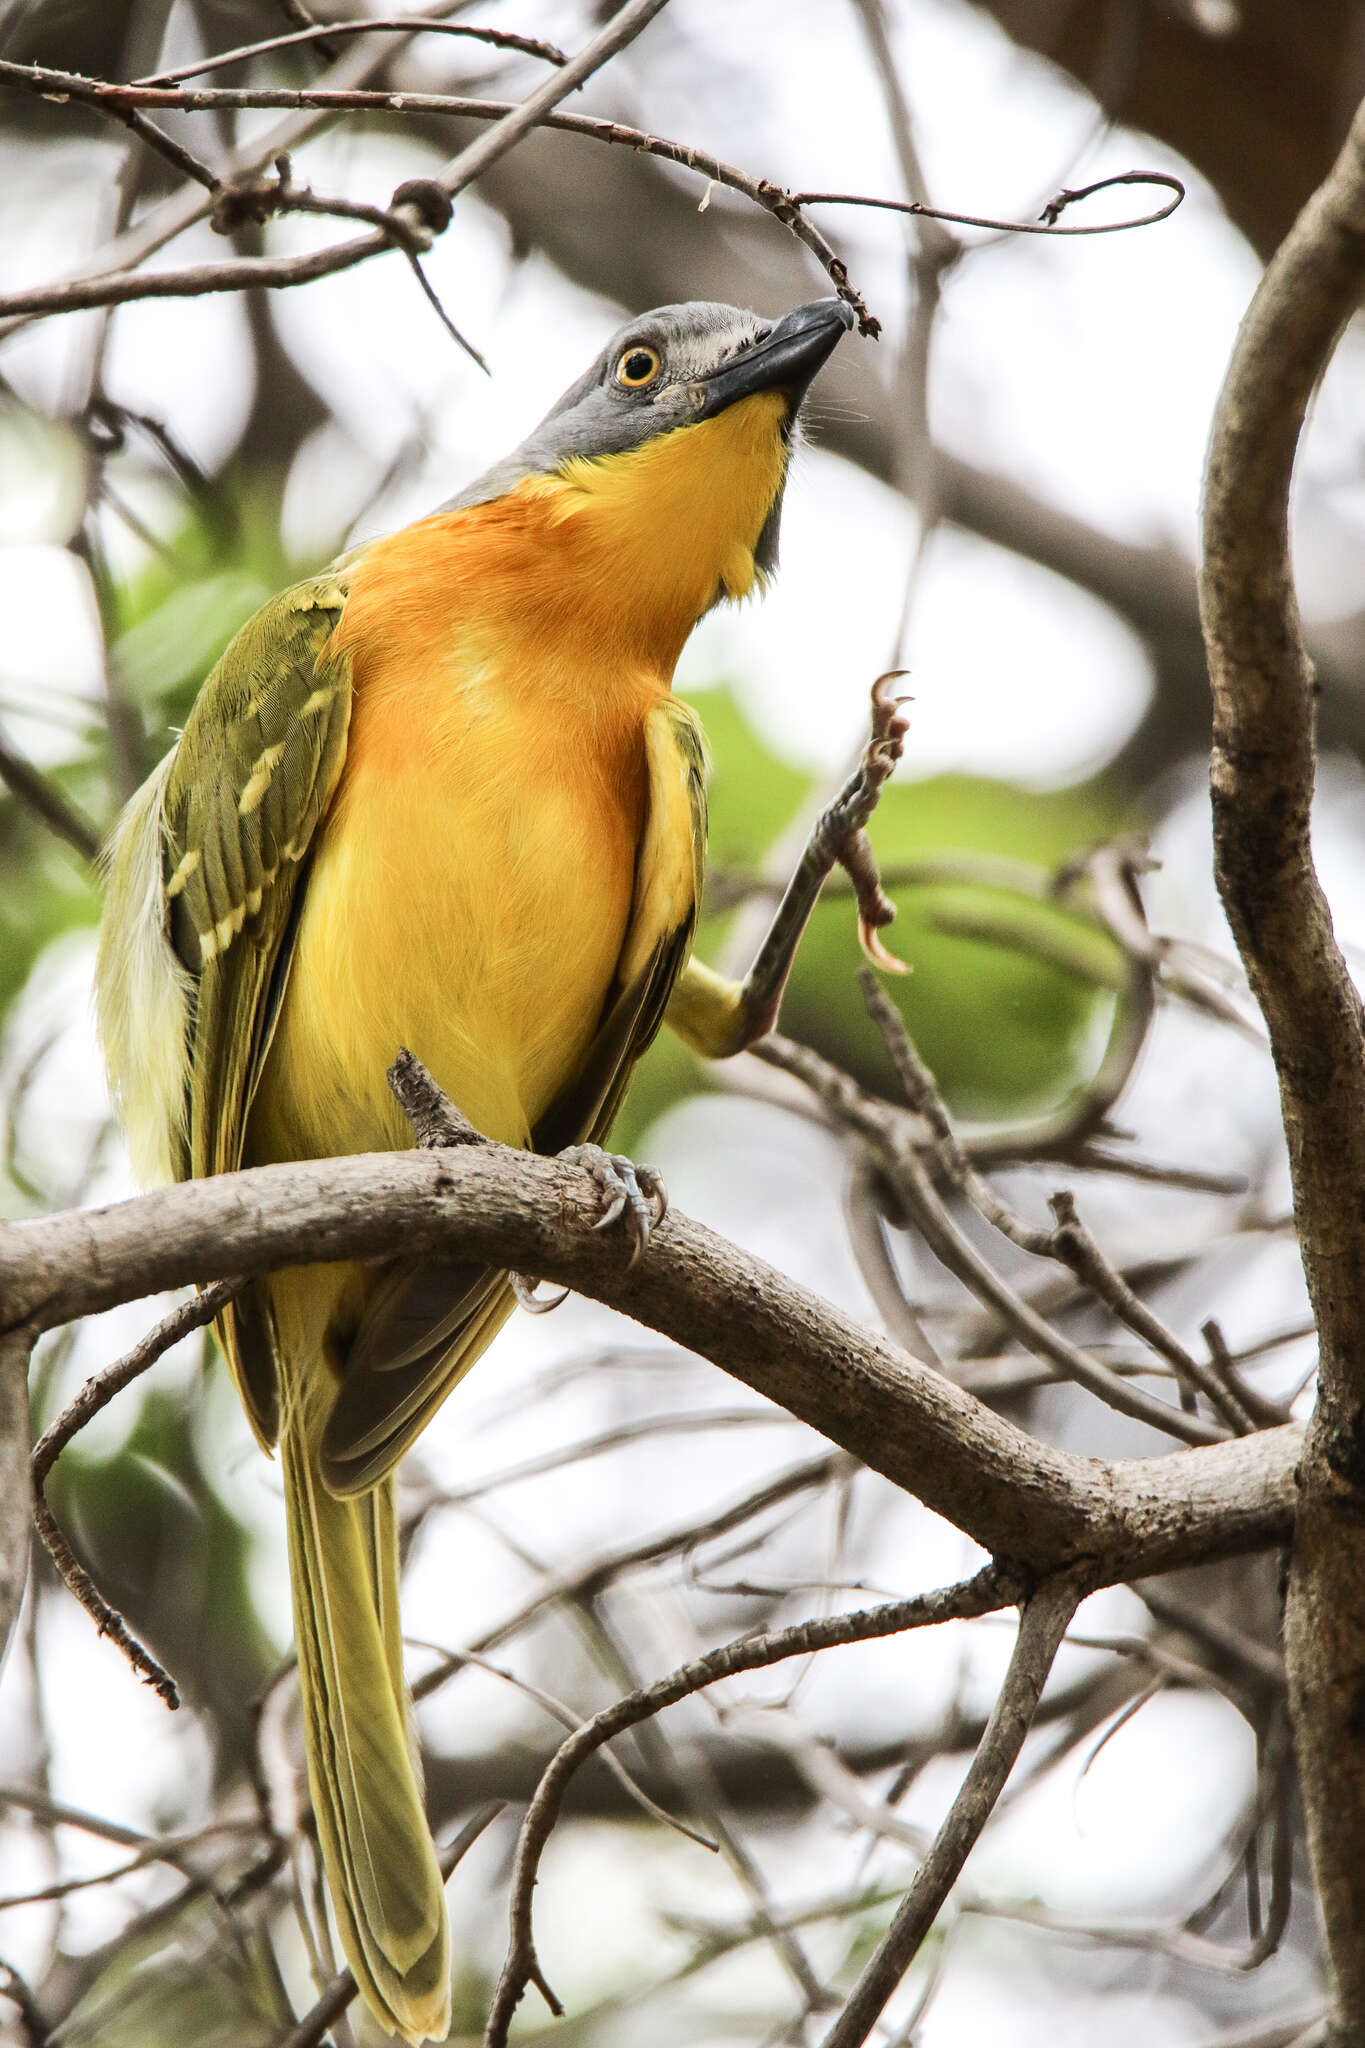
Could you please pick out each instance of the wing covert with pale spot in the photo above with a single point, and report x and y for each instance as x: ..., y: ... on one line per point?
x: 254, y: 772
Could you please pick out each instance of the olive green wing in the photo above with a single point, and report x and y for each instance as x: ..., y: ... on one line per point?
x: 669, y: 873
x: 428, y: 1324
x: 252, y: 776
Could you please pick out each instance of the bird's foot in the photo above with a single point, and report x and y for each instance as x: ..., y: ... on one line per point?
x: 843, y: 826
x: 630, y: 1193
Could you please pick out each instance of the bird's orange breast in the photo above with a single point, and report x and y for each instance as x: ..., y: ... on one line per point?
x: 471, y: 887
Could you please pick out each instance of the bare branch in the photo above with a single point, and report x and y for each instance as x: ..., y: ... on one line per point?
x: 100, y: 1389
x: 115, y: 287
x: 990, y: 1589
x: 16, y: 1487
x: 1262, y: 785
x: 337, y: 31
x: 37, y: 794
x: 20, y: 1995
x: 1042, y: 1625
x: 1047, y: 222
x: 97, y: 1393
x: 882, y: 1127
x: 1017, y: 1497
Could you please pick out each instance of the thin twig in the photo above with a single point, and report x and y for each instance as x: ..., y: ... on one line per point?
x: 100, y: 1389
x: 1046, y: 224
x: 45, y: 800
x: 1069, y: 1242
x: 171, y: 1849
x: 334, y: 31
x: 116, y: 287
x: 452, y: 1662
x: 21, y: 1997
x: 96, y: 1394
x: 991, y: 1588
x: 881, y: 1125
x: 1042, y: 1624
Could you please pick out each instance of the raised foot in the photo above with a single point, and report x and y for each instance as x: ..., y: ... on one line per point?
x: 630, y: 1193
x: 842, y: 828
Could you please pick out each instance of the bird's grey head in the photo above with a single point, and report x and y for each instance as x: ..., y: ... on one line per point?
x: 669, y: 369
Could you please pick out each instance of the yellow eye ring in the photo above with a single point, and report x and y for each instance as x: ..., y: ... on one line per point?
x: 637, y: 367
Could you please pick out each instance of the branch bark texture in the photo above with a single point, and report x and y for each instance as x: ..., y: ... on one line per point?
x: 1019, y: 1498
x: 1262, y: 786
x: 16, y: 1490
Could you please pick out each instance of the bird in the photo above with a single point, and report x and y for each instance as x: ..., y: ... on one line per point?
x: 441, y: 796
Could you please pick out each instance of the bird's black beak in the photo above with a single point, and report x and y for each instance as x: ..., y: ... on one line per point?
x: 784, y: 360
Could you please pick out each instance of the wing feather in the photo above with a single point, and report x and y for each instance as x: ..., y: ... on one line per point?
x: 251, y: 778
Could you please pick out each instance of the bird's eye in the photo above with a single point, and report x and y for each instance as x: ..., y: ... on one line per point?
x: 637, y: 366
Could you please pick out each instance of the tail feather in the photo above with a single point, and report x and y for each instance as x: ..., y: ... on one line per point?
x: 376, y: 1847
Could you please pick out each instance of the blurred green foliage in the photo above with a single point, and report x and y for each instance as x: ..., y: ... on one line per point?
x: 182, y: 1984
x: 168, y: 624
x: 1002, y: 1022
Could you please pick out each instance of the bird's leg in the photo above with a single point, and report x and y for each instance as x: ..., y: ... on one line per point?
x: 636, y: 1193
x: 631, y: 1194
x: 720, y: 1017
x: 435, y: 1120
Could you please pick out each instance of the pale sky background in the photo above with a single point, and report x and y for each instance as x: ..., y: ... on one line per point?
x: 1085, y: 368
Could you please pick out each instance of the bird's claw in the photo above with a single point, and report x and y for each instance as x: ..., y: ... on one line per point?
x: 635, y: 1193
x: 524, y: 1287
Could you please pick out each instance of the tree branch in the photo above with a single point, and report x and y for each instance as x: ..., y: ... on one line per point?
x: 1042, y: 1625
x: 97, y: 1393
x: 990, y: 1589
x: 15, y: 1486
x: 42, y: 797
x: 1262, y: 786
x: 102, y: 286
x: 1017, y: 1497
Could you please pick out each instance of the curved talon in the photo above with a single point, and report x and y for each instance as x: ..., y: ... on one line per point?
x: 524, y: 1287
x: 880, y: 955
x: 635, y: 1193
x: 605, y: 1221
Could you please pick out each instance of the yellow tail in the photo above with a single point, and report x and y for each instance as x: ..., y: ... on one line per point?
x: 376, y: 1847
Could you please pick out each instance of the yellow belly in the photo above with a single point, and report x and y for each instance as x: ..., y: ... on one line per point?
x: 468, y: 898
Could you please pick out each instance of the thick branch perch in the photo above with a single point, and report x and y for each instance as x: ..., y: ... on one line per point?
x: 1019, y: 1498
x: 1262, y: 782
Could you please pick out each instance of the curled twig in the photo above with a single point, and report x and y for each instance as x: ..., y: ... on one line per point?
x: 96, y: 1394
x: 1046, y: 224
